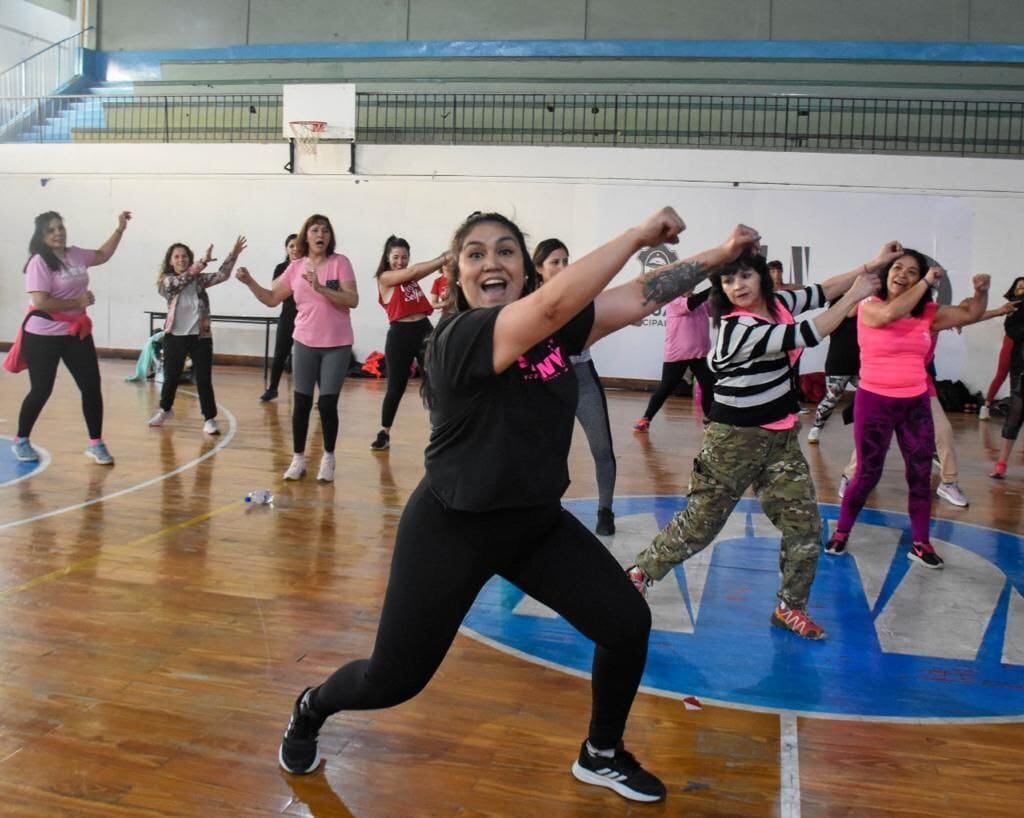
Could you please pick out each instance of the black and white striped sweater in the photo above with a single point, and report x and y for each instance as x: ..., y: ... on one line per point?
x: 750, y: 358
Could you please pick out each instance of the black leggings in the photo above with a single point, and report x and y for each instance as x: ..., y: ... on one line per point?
x: 441, y: 561
x: 200, y: 350
x: 43, y: 353
x: 403, y: 345
x: 282, y: 346
x: 672, y: 373
x: 327, y: 405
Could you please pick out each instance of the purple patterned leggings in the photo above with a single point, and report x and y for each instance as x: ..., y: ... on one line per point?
x: 875, y: 418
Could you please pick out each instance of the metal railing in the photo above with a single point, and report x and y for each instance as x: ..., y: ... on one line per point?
x: 782, y: 123
x: 186, y: 118
x: 45, y: 72
x: 785, y: 123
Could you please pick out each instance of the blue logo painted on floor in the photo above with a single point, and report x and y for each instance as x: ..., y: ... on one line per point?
x: 11, y: 469
x: 903, y: 641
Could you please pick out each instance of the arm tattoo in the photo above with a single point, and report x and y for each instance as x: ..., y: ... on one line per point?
x: 670, y: 282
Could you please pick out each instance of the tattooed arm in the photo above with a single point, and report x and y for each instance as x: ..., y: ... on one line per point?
x: 628, y: 303
x: 534, y: 317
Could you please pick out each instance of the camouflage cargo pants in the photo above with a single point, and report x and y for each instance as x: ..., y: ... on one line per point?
x: 732, y: 459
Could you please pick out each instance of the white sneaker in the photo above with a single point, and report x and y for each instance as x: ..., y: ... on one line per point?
x: 297, y: 468
x: 326, y: 473
x: 950, y: 492
x: 983, y: 413
x: 814, y: 434
x: 161, y: 417
x: 844, y: 481
x: 211, y: 427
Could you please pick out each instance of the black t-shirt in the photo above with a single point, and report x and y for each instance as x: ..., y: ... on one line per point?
x: 500, y: 441
x: 288, y: 305
x: 843, y: 357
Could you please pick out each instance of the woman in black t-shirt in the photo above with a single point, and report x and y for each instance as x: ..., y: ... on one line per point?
x: 502, y: 397
x: 285, y: 324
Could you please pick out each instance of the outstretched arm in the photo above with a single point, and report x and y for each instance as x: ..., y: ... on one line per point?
x: 837, y: 285
x: 227, y: 266
x: 528, y: 321
x: 966, y: 312
x: 109, y: 247
x: 628, y: 303
x: 414, y: 272
x: 270, y: 298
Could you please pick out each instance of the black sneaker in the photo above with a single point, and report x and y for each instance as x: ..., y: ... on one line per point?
x: 382, y: 442
x: 835, y: 546
x: 268, y: 396
x: 621, y: 773
x: 605, y: 521
x: 923, y: 553
x: 299, y: 753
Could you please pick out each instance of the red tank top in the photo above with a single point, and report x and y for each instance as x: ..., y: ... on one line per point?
x: 406, y: 300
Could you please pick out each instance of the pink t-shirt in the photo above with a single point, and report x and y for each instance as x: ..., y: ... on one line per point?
x: 319, y: 323
x: 70, y: 282
x: 687, y: 335
x: 893, y: 357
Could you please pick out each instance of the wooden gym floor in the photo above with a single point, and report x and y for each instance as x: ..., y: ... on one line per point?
x: 154, y: 632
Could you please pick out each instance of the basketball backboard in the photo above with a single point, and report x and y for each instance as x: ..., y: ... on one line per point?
x: 333, y: 103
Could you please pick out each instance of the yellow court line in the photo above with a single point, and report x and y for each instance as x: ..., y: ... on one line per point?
x: 7, y: 593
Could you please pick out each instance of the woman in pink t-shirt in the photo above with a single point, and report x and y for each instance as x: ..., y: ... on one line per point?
x: 58, y: 328
x: 894, y: 331
x: 324, y: 288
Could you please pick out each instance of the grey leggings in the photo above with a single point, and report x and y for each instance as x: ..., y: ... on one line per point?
x: 835, y: 387
x: 592, y: 413
x: 325, y: 367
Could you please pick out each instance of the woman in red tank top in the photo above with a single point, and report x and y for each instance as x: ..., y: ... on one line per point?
x: 407, y: 306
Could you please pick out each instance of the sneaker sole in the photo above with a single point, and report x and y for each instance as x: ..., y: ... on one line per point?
x: 298, y: 476
x: 280, y: 760
x: 951, y: 501
x: 778, y: 623
x: 99, y: 461
x: 21, y: 459
x: 581, y: 773
x: 321, y: 479
x: 914, y: 558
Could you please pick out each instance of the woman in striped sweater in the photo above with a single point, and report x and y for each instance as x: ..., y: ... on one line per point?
x: 752, y: 439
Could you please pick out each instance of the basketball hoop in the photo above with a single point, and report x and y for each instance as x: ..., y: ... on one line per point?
x: 307, y: 134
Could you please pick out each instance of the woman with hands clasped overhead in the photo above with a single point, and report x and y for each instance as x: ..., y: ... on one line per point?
x: 894, y: 330
x: 324, y: 287
x: 187, y: 330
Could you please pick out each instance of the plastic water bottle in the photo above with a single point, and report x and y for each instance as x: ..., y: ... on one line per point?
x: 260, y: 497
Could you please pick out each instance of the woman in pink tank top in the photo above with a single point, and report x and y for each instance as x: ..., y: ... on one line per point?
x: 894, y: 331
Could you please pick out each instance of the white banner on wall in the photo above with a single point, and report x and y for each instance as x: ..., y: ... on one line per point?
x: 816, y: 235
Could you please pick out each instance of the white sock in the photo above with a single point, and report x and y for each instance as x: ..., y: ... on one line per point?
x: 602, y: 753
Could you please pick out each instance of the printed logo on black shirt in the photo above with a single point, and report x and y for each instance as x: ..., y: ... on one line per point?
x: 544, y: 362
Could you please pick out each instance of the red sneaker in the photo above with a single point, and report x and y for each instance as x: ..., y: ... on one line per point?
x: 642, y: 425
x: 999, y: 472
x: 797, y: 621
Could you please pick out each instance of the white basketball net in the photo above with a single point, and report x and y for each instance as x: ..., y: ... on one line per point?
x: 307, y: 134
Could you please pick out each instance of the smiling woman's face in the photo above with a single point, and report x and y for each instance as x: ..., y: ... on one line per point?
x: 491, y: 269
x: 904, y: 274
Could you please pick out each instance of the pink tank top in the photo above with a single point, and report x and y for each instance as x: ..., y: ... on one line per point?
x: 893, y: 357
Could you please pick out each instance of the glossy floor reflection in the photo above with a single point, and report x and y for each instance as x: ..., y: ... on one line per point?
x: 154, y: 631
